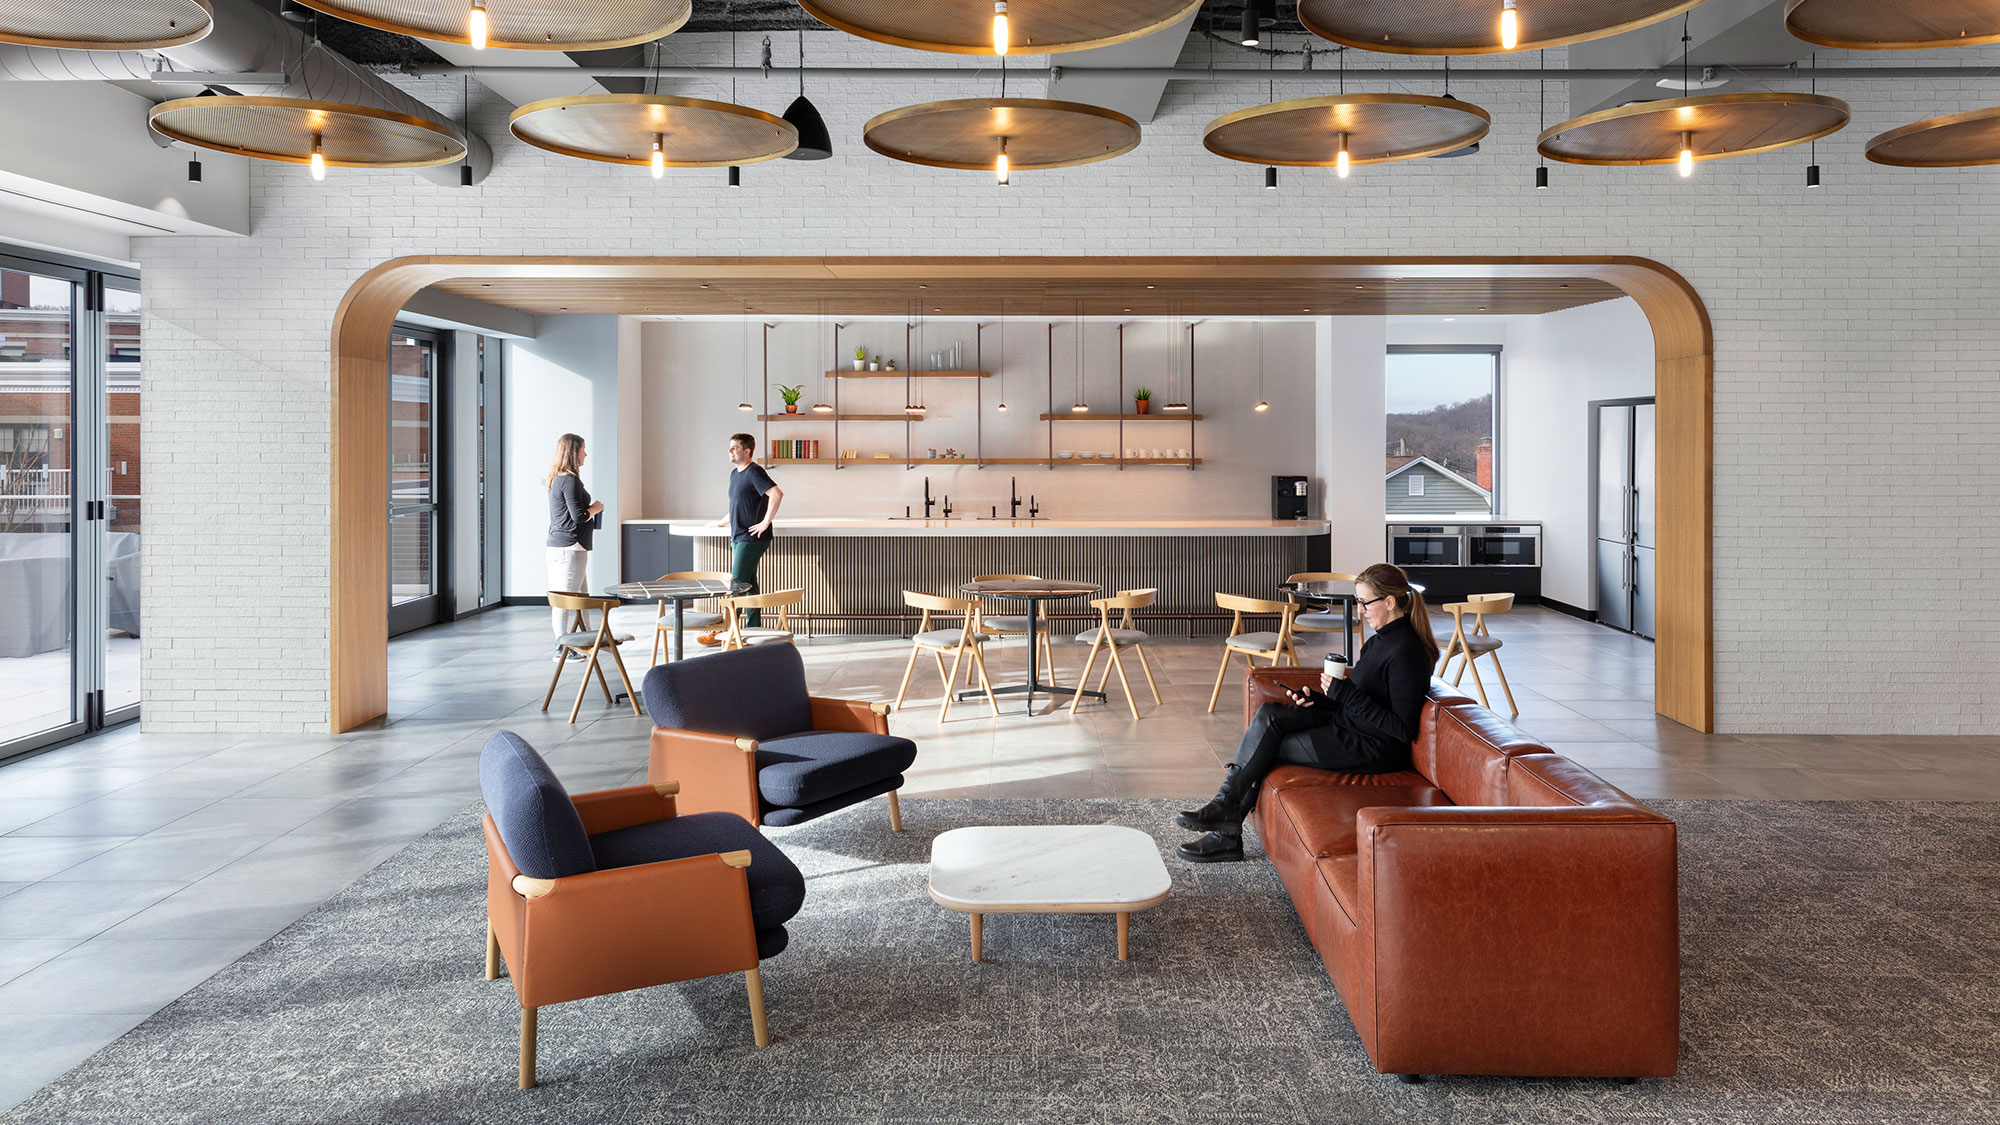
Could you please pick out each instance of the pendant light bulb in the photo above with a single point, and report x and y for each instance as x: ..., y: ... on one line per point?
x: 659, y: 155
x: 735, y: 176
x: 1542, y: 178
x: 318, y: 160
x: 822, y: 408
x: 1249, y: 37
x: 1000, y: 167
x: 1270, y: 179
x: 1510, y: 25
x: 476, y: 31
x: 1687, y: 155
x: 1340, y: 162
x: 999, y: 27
x: 1080, y: 408
x: 1812, y: 175
x: 745, y: 407
x: 1002, y: 408
x: 1261, y: 407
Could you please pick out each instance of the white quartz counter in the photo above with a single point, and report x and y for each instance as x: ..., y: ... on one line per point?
x: 968, y: 526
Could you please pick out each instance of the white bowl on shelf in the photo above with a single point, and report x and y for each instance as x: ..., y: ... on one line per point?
x: 1065, y: 454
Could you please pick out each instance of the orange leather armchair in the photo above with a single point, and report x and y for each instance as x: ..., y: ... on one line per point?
x: 624, y: 927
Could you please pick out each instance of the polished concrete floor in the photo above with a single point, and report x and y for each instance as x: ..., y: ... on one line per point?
x: 135, y: 865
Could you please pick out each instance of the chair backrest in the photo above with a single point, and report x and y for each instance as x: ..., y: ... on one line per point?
x: 1126, y: 600
x: 696, y: 576
x: 532, y: 811
x: 580, y: 603
x: 1489, y: 604
x: 932, y: 603
x: 757, y: 692
x: 776, y: 599
x: 1262, y: 606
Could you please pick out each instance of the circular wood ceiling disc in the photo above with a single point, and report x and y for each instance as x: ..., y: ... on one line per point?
x: 1034, y: 27
x: 1380, y: 128
x: 107, y: 25
x: 1879, y: 25
x: 521, y: 25
x: 351, y: 136
x: 1472, y: 27
x: 619, y: 129
x: 1722, y: 125
x: 1959, y: 140
x: 966, y: 133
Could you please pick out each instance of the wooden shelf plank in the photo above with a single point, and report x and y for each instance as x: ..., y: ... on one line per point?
x: 810, y: 417
x: 1071, y: 416
x: 909, y: 374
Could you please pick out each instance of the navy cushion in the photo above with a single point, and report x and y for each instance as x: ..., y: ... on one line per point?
x: 755, y: 693
x: 779, y: 817
x: 772, y: 942
x: 799, y: 769
x: 777, y: 890
x: 532, y: 811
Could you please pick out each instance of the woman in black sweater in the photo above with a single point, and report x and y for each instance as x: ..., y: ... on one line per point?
x: 1362, y: 724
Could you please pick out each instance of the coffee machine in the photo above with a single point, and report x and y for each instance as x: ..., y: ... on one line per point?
x: 1289, y: 498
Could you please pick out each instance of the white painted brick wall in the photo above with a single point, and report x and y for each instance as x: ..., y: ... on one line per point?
x: 1855, y: 353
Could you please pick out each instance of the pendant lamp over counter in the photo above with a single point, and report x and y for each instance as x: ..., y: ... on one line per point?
x: 656, y: 130
x: 518, y: 25
x: 975, y: 27
x: 815, y: 143
x: 135, y: 25
x: 319, y: 134
x: 1341, y: 130
x: 1893, y: 25
x: 1001, y: 135
x: 1479, y: 27
x: 1683, y: 131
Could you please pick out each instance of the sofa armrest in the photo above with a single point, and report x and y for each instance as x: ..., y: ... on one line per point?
x: 608, y: 810
x: 717, y: 773
x: 1267, y: 685
x: 634, y: 927
x: 1526, y: 941
x: 849, y: 715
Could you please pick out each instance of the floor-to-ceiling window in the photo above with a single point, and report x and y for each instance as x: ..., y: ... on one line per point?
x: 69, y: 499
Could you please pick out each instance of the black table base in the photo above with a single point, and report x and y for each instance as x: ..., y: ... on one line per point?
x: 1034, y: 683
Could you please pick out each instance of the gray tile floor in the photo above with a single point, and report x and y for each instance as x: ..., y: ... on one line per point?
x: 135, y: 865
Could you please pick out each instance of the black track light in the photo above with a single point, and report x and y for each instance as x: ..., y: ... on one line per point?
x: 1812, y: 175
x: 735, y: 176
x: 465, y: 175
x: 1249, y: 36
x: 194, y: 169
x: 1270, y: 179
x: 1542, y: 178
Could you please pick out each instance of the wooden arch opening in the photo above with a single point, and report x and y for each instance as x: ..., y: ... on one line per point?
x: 1211, y: 286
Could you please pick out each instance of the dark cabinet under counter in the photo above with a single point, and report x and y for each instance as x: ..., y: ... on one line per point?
x: 650, y: 550
x: 1452, y: 583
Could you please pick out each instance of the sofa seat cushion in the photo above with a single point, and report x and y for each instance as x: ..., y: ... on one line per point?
x: 777, y: 889
x: 801, y: 769
x: 1342, y: 874
x: 1287, y: 777
x: 690, y: 619
x: 1323, y: 815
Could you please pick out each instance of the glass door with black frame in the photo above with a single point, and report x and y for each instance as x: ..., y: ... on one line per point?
x: 415, y: 596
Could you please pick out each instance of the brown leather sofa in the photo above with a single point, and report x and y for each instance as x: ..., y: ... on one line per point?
x: 1497, y: 910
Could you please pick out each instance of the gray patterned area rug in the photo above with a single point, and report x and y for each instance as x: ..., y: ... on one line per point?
x: 1842, y: 964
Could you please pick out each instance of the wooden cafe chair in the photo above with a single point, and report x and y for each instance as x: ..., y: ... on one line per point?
x: 590, y: 643
x: 1109, y: 638
x: 1468, y: 645
x: 1272, y: 646
x: 962, y: 642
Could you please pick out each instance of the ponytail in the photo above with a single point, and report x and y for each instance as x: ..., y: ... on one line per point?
x: 1384, y: 578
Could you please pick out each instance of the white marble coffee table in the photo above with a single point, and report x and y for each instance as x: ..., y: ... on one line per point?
x: 1048, y: 869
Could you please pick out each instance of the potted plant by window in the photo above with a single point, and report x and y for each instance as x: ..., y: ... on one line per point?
x: 1142, y: 400
x: 860, y: 356
x: 791, y: 396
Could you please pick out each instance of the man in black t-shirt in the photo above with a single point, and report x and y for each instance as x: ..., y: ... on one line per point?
x: 753, y: 503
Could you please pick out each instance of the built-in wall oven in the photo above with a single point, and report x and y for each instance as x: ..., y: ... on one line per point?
x: 1505, y: 545
x: 1414, y: 544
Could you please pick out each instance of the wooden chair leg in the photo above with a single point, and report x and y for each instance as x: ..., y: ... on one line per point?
x: 1104, y: 673
x: 1515, y: 708
x: 1119, y: 663
x: 985, y: 681
x: 582, y: 689
x: 553, y: 680
x: 1478, y: 684
x: 631, y: 696
x: 895, y: 813
x: 1147, y: 667
x: 760, y: 1029
x: 598, y: 668
x: 950, y: 680
x: 528, y: 1048
x: 1048, y: 655
x: 1088, y: 660
x: 659, y: 638
x: 1227, y: 652
x: 907, y: 669
x: 492, y: 953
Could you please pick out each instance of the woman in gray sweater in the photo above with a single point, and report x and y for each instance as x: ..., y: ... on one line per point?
x: 570, y: 513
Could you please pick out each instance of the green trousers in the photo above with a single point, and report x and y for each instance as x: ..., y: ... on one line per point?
x: 743, y: 557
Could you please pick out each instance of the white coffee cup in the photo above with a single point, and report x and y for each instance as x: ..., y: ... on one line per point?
x: 1335, y: 665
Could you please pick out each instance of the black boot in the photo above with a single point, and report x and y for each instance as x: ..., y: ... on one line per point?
x: 1221, y: 813
x: 1222, y: 846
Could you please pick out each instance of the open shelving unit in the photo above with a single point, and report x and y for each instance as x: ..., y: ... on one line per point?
x: 978, y: 459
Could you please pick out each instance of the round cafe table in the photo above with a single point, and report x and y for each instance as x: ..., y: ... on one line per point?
x: 1326, y: 593
x: 679, y: 591
x: 1034, y: 591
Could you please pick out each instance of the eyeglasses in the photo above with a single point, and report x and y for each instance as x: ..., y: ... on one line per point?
x: 1371, y: 601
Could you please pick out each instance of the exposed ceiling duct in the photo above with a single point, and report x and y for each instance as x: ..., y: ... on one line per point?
x: 250, y: 43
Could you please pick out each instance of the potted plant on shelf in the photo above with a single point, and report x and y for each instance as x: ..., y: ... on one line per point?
x: 892, y: 365
x: 791, y: 396
x: 860, y: 356
x: 875, y: 364
x: 1142, y: 400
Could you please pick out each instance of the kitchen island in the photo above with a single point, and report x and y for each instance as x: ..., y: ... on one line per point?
x: 855, y: 570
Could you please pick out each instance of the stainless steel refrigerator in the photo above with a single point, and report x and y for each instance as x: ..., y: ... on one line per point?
x: 1624, y: 515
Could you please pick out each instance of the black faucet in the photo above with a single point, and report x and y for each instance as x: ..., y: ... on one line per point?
x: 1013, y: 500
x: 1031, y: 506
x: 928, y: 502
x: 947, y: 506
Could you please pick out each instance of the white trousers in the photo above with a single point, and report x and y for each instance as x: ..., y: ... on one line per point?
x: 566, y: 567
